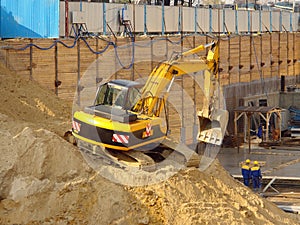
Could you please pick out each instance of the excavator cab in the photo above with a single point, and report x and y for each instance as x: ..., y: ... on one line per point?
x: 122, y: 94
x: 114, y: 101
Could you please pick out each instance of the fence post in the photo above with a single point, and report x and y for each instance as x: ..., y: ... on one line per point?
x: 66, y: 18
x: 229, y: 62
x: 287, y: 53
x: 223, y: 21
x: 210, y: 20
x: 180, y: 20
x: 30, y: 59
x: 104, y: 18
x: 250, y: 62
x: 163, y: 19
x: 278, y: 52
x: 78, y: 72
x: 145, y: 19
x: 151, y: 49
x: 195, y: 20
x: 7, y: 58
x: 97, y: 62
x: 271, y: 25
x: 294, y: 60
x: 249, y: 22
x: 240, y: 59
x: 280, y: 21
x: 260, y: 21
x: 183, y: 128
x: 236, y: 21
x: 291, y: 22
x: 116, y: 63
x: 195, y: 126
x: 261, y: 61
x: 56, y: 69
x: 271, y: 54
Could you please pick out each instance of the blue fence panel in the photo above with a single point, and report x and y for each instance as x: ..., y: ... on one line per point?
x: 29, y: 18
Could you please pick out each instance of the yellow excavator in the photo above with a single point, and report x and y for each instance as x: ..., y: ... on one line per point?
x: 125, y: 120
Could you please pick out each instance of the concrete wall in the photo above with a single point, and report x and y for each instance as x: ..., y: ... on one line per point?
x: 288, y: 99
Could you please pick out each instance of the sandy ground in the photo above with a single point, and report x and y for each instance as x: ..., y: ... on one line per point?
x: 45, y: 180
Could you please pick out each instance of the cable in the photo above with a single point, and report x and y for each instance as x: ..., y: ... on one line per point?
x: 98, y: 52
x: 40, y: 48
x: 119, y: 60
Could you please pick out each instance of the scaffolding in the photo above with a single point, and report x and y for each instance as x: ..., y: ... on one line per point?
x: 265, y: 113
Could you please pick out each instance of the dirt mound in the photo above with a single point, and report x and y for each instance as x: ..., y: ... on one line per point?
x: 193, y: 197
x: 25, y: 100
x: 45, y: 180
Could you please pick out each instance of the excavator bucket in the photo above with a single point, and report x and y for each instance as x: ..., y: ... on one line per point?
x: 212, y: 129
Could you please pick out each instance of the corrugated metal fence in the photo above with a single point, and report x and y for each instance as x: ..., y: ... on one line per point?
x: 29, y: 18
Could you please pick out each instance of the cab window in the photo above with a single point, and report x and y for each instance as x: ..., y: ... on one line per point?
x: 132, y: 98
x: 100, y: 98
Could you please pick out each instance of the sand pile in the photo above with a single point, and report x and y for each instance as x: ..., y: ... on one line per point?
x: 25, y: 100
x: 45, y: 180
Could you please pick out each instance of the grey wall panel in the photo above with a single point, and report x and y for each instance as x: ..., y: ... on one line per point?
x: 222, y: 29
x: 73, y: 6
x: 172, y: 19
x: 242, y: 21
x: 94, y: 18
x: 275, y: 21
x: 230, y: 20
x: 154, y: 18
x: 216, y: 21
x: 189, y: 19
x: 61, y: 19
x: 285, y: 21
x: 112, y: 16
x: 265, y: 18
x: 91, y: 16
x: 254, y: 20
x: 139, y: 18
x: 202, y: 20
x: 296, y: 22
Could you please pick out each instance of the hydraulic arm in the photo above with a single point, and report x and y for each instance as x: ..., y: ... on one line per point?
x: 165, y: 74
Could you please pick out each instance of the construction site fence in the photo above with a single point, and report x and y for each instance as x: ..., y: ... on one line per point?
x: 106, y: 19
